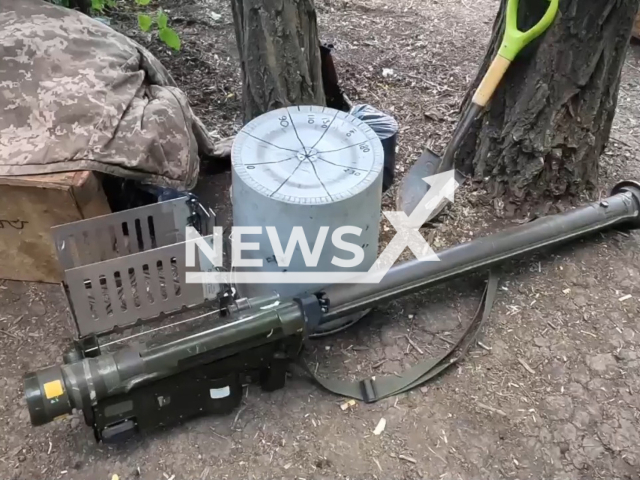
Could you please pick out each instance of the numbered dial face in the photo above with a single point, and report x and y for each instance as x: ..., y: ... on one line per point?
x: 307, y: 154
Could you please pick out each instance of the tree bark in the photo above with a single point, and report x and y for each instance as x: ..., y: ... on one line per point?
x: 279, y: 54
x: 542, y: 134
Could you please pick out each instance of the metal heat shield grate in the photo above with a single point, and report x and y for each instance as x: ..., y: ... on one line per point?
x: 128, y: 267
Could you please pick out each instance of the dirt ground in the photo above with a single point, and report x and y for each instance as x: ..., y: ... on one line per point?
x: 552, y: 393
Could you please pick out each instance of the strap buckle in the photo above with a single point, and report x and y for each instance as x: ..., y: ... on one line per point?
x: 368, y: 390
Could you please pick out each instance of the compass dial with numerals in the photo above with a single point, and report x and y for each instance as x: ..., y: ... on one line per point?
x: 307, y: 155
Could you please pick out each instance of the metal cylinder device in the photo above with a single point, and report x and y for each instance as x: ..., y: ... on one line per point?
x: 307, y: 174
x: 56, y: 390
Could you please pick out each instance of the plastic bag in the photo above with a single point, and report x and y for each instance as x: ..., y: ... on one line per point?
x: 386, y: 127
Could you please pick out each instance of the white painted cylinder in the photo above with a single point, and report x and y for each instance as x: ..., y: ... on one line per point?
x: 308, y: 167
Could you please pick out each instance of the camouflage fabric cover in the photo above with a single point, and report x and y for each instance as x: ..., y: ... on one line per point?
x: 77, y: 95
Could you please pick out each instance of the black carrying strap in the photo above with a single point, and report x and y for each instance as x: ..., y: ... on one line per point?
x: 376, y: 388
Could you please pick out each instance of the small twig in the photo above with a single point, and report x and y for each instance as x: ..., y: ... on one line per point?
x: 16, y: 321
x: 589, y: 333
x: 526, y: 366
x: 632, y: 66
x: 233, y: 425
x: 445, y: 340
x: 552, y: 325
x: 413, y: 344
x: 218, y: 435
x: 380, y: 427
x: 8, y: 333
x: 205, y: 473
x: 491, y: 409
x: 408, y: 459
x: 431, y: 450
x: 482, y: 345
x: 617, y: 139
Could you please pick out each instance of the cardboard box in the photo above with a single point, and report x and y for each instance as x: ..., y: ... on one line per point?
x: 29, y: 207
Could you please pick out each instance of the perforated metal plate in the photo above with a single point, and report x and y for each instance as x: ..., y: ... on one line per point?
x: 127, y: 267
x: 122, y: 292
x: 121, y: 233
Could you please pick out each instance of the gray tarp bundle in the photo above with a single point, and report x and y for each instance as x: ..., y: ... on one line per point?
x: 77, y: 95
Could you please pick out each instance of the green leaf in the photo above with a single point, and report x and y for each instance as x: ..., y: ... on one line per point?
x: 97, y: 5
x: 143, y: 2
x: 111, y: 3
x: 145, y: 22
x: 170, y: 37
x: 162, y: 20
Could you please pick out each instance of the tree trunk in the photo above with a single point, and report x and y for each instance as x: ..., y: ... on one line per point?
x: 279, y: 54
x: 547, y: 124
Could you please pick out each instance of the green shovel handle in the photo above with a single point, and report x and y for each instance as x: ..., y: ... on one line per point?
x: 514, y: 40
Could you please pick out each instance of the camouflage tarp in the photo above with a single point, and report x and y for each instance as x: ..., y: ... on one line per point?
x: 77, y: 95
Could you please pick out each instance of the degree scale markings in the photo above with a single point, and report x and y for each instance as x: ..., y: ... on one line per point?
x: 338, y: 155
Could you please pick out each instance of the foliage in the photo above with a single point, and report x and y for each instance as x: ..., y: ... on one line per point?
x: 145, y: 20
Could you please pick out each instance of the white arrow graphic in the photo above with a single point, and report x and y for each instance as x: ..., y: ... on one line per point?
x: 443, y: 187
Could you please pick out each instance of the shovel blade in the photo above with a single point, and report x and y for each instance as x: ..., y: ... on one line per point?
x: 412, y: 187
